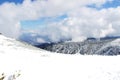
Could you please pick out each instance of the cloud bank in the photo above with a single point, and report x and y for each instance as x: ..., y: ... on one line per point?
x: 81, y: 21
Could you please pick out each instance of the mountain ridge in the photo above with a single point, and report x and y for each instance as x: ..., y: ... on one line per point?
x: 87, y: 47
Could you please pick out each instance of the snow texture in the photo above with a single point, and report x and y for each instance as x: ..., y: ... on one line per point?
x: 20, y: 61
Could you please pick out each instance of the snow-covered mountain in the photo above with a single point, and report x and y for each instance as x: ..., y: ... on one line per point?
x: 87, y: 47
x: 16, y: 56
x: 20, y: 61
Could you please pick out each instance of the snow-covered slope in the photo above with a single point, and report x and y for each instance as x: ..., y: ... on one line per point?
x: 24, y: 62
x: 87, y: 47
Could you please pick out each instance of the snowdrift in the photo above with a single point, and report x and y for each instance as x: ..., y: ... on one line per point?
x: 19, y: 61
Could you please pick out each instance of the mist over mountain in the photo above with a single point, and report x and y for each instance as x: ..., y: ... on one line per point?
x: 37, y: 39
x: 90, y: 46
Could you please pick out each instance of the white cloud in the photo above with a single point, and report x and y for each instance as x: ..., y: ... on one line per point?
x: 81, y: 22
x: 85, y: 22
x: 107, y: 31
x: 40, y: 40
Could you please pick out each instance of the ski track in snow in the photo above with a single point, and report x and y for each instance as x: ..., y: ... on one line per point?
x: 36, y: 64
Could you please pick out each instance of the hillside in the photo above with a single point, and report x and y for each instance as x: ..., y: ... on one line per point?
x: 20, y: 61
x: 87, y: 47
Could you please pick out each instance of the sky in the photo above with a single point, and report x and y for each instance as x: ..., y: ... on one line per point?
x: 59, y: 19
x: 15, y: 1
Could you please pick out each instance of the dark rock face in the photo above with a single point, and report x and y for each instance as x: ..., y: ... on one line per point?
x: 87, y: 47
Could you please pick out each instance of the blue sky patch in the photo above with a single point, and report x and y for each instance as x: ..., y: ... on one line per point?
x: 33, y: 24
x: 15, y: 1
x: 112, y: 4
